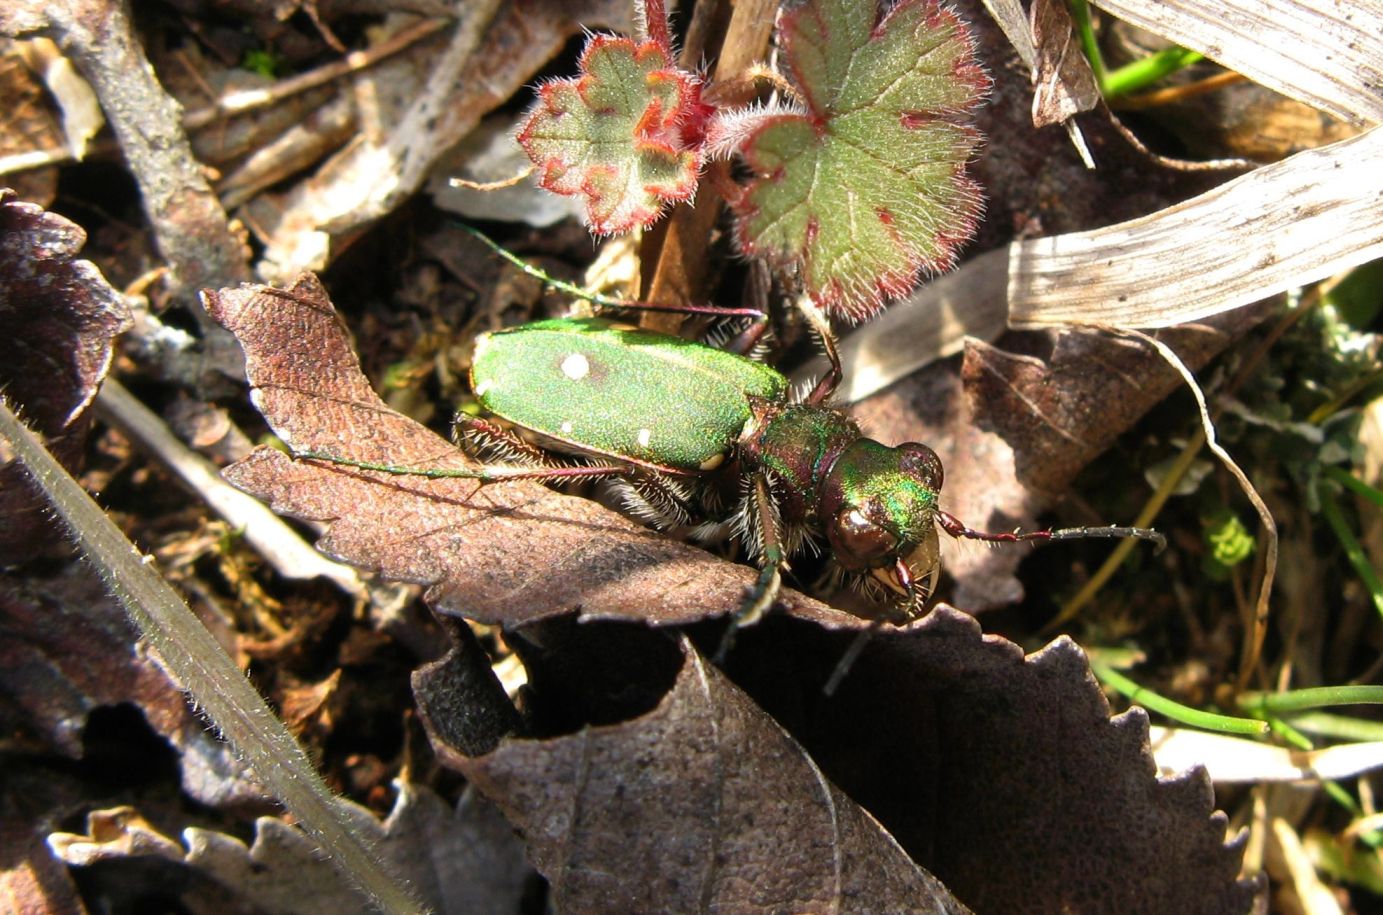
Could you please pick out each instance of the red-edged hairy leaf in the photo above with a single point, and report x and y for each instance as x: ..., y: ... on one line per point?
x: 866, y: 184
x: 625, y: 135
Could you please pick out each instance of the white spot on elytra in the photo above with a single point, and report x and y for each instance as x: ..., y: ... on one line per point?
x: 566, y: 427
x: 645, y: 436
x: 712, y: 462
x: 483, y: 387
x: 575, y: 366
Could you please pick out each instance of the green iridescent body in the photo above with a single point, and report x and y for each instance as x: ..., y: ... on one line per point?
x: 671, y: 406
x: 677, y: 420
x: 660, y: 401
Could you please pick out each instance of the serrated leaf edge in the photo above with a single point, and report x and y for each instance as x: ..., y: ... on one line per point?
x: 858, y: 305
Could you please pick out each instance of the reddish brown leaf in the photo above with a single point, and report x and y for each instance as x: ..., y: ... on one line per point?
x: 504, y: 553
x: 58, y: 317
x: 702, y: 804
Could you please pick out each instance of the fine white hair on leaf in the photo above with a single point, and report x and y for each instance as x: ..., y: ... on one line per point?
x: 731, y: 127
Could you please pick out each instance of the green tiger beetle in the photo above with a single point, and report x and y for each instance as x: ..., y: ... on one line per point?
x: 678, y: 420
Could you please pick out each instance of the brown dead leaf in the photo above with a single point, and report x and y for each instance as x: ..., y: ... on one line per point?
x: 1002, y: 776
x: 1058, y: 411
x: 1063, y: 83
x: 702, y: 804
x: 465, y: 859
x: 462, y: 859
x: 66, y: 649
x: 505, y: 553
x: 58, y: 318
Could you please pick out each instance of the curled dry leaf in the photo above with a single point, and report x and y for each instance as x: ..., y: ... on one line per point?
x: 1002, y: 776
x: 506, y: 553
x: 462, y: 859
x: 66, y: 649
x: 702, y: 804
x: 1005, y: 776
x: 58, y: 318
x: 1063, y: 83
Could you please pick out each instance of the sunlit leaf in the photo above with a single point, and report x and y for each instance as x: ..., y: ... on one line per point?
x: 624, y: 135
x: 866, y: 183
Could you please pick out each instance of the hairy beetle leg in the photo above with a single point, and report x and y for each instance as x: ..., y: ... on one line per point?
x: 772, y: 558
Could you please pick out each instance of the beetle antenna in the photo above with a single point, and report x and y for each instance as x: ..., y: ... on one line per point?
x: 953, y: 526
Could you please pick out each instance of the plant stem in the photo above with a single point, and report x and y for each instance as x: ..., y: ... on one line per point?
x: 1354, y: 551
x: 1080, y: 12
x: 1209, y: 721
x: 655, y: 25
x: 1130, y: 77
x: 1315, y: 697
x: 1350, y: 481
x: 1141, y: 73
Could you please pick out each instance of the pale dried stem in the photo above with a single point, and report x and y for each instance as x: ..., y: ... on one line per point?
x: 263, y: 530
x: 1254, y: 634
x: 493, y: 185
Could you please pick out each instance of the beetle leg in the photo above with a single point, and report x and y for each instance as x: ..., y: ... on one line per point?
x: 848, y: 659
x: 758, y: 284
x: 764, y: 526
x: 485, y: 473
x: 826, y: 385
x: 656, y: 501
x: 605, y: 301
x: 484, y: 439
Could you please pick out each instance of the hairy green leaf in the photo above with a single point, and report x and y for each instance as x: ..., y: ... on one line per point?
x: 624, y: 135
x: 866, y: 182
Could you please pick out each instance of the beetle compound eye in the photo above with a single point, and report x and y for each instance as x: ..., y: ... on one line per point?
x: 922, y: 462
x: 859, y: 542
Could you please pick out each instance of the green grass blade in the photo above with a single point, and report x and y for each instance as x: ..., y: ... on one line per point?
x: 1209, y: 721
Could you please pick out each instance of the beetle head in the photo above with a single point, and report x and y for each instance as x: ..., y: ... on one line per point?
x: 878, y: 506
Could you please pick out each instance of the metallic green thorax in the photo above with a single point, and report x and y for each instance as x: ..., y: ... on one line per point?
x: 874, y: 502
x: 607, y: 388
x: 798, y: 444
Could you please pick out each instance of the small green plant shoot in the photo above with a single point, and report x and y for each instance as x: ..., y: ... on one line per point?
x: 857, y: 169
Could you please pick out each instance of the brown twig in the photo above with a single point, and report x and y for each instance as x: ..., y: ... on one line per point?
x: 680, y: 272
